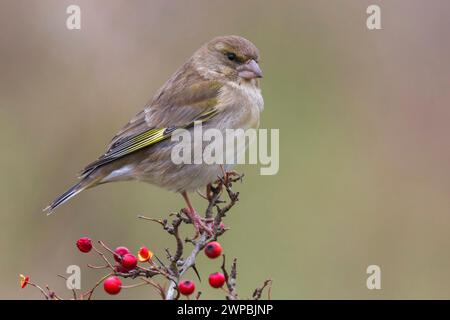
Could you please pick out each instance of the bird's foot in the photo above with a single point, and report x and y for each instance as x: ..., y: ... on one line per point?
x: 201, y: 225
x: 229, y: 177
x: 232, y: 176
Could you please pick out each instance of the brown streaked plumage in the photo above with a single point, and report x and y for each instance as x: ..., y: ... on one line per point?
x: 218, y: 85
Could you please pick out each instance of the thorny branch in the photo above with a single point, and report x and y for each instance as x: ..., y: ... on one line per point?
x: 179, y: 262
x: 219, y: 229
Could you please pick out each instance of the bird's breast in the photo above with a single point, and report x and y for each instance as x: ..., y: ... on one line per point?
x: 243, y: 103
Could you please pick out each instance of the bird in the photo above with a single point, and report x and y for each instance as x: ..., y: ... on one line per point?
x: 217, y: 86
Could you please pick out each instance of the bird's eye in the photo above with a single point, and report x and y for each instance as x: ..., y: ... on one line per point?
x: 231, y: 56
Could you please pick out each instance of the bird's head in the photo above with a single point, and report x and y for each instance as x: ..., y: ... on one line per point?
x: 231, y: 57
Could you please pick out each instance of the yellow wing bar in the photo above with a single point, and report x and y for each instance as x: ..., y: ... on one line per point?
x: 143, y: 140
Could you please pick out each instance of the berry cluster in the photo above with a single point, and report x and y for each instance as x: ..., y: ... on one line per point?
x: 125, y: 262
x: 216, y: 280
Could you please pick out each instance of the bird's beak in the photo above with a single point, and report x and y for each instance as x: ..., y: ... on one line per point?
x: 250, y: 70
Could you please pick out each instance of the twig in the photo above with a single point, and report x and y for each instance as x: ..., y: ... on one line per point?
x: 258, y: 291
x: 74, y: 291
x: 230, y: 279
x: 90, y: 292
x: 45, y: 294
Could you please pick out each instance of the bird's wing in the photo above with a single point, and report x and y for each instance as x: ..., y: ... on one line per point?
x: 185, y: 98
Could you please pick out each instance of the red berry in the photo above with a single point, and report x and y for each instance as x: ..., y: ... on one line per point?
x: 186, y: 287
x: 119, y: 268
x: 144, y: 254
x: 112, y: 285
x: 216, y: 280
x: 24, y: 280
x: 129, y: 261
x: 120, y: 251
x: 84, y: 244
x: 213, y: 249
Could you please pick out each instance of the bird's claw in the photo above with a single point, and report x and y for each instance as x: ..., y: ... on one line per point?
x: 228, y: 177
x: 230, y: 174
x: 201, y: 225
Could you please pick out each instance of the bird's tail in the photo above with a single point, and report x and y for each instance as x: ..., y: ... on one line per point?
x: 85, y: 183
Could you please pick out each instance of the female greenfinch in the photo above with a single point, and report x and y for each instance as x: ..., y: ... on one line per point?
x: 217, y: 86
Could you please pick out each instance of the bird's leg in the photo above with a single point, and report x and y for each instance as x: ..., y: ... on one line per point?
x: 200, y: 223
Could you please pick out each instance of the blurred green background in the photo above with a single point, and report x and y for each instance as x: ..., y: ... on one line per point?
x: 364, y: 155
